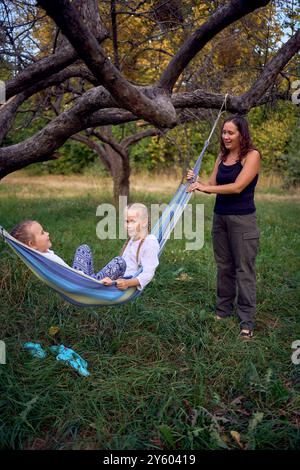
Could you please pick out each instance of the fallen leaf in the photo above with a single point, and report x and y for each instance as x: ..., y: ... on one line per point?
x: 53, y: 330
x: 236, y: 436
x: 183, y: 277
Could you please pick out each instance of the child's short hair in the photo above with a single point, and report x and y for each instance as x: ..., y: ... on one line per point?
x: 22, y: 231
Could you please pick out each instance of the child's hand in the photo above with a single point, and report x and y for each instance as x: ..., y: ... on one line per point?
x: 122, y: 284
x: 107, y: 281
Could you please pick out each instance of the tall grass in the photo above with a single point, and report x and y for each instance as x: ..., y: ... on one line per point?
x: 156, y: 183
x: 164, y: 373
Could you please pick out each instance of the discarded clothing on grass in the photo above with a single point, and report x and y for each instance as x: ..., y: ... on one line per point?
x: 72, y: 358
x: 63, y: 354
x: 35, y: 350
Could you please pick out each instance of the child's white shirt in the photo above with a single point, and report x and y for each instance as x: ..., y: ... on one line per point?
x: 51, y: 255
x: 148, y: 259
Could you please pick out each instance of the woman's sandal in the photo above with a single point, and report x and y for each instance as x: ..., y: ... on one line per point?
x: 246, y: 334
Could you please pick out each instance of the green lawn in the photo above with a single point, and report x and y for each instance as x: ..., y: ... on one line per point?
x: 164, y: 373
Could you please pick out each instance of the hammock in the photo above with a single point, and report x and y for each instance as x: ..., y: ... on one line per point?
x: 84, y: 291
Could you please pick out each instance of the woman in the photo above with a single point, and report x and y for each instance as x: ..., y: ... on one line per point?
x: 235, y: 233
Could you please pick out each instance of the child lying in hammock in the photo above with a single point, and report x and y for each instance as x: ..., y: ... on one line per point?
x: 32, y: 234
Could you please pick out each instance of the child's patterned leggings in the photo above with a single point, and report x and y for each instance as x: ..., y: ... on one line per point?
x: 83, y: 261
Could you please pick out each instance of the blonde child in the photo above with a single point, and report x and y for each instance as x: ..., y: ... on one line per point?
x: 32, y: 234
x: 140, y: 250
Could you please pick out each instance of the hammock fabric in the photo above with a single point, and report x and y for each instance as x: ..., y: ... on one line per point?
x: 84, y: 291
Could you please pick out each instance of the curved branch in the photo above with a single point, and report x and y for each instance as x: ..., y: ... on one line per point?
x: 44, y: 68
x: 93, y: 146
x: 133, y: 139
x: 223, y: 17
x: 8, y: 112
x: 86, y: 113
x: 158, y: 111
x: 40, y: 70
x: 110, y: 141
x: 9, y: 109
x: 274, y: 66
x: 41, y: 146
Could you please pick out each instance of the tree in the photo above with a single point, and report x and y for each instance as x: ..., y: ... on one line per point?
x: 109, y: 96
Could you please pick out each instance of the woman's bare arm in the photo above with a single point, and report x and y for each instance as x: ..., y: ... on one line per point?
x: 250, y: 170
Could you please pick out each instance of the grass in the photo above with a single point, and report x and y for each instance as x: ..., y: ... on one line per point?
x: 164, y: 373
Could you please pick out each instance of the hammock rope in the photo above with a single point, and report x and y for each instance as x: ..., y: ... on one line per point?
x: 84, y: 291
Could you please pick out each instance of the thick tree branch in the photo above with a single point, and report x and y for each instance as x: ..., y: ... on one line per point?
x: 9, y: 109
x: 89, y: 11
x: 44, y: 68
x: 267, y: 78
x: 218, y: 21
x: 41, y: 146
x: 8, y: 113
x: 158, y: 111
x: 204, y: 99
x: 110, y: 141
x: 41, y: 70
x: 97, y: 108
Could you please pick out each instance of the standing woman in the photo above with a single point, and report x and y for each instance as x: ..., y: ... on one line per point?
x: 235, y: 234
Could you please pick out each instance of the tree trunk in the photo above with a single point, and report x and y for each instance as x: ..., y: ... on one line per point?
x: 120, y: 172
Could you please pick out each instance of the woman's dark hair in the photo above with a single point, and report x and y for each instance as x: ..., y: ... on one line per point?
x: 245, y: 138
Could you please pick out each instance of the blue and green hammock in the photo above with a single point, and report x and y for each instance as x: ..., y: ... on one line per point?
x: 85, y: 291
x: 81, y: 289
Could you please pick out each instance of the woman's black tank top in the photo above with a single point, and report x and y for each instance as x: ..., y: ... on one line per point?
x: 234, y: 204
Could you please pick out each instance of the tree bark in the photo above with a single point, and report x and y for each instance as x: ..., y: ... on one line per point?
x: 222, y: 18
x: 120, y: 172
x: 158, y: 111
x: 99, y: 106
x: 115, y: 157
x: 44, y: 68
x: 270, y: 72
x: 40, y: 70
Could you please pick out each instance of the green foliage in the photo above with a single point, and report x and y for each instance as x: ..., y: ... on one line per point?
x: 178, y: 149
x: 75, y: 158
x: 290, y: 162
x: 24, y: 126
x: 272, y: 130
